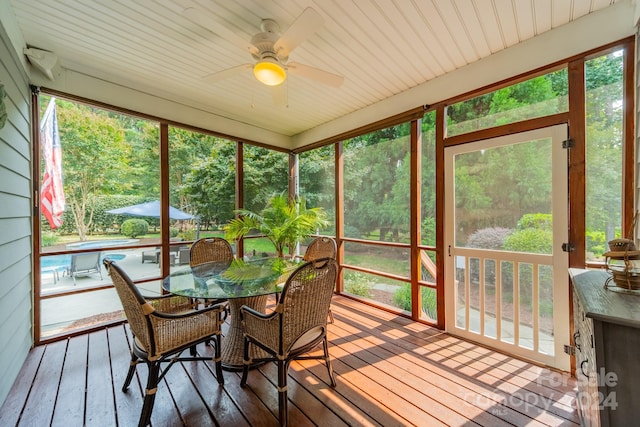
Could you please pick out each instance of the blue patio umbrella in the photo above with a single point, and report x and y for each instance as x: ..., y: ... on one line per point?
x: 150, y: 209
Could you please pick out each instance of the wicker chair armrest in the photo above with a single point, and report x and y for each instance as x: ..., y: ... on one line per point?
x: 220, y: 308
x: 263, y: 328
x: 175, y: 330
x: 246, y: 310
x: 171, y: 303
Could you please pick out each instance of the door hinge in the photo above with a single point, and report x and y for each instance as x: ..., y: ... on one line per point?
x: 570, y: 350
x: 568, y: 247
x: 568, y: 143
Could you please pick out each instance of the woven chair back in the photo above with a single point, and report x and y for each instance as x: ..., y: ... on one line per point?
x: 305, y: 299
x: 321, y: 247
x: 210, y: 249
x: 132, y: 302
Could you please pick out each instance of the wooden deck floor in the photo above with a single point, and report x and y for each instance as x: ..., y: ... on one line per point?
x: 390, y: 372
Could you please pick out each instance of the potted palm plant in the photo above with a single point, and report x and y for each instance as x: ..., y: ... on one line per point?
x: 282, y: 221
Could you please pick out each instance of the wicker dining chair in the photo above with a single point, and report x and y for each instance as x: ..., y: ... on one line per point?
x: 210, y: 249
x: 296, y: 326
x: 321, y: 247
x: 163, y: 327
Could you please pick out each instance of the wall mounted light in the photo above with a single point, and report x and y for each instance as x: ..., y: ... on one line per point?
x: 44, y: 61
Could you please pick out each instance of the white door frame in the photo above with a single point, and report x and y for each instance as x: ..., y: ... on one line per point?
x: 558, y: 260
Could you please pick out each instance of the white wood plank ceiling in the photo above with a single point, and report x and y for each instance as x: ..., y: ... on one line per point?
x: 381, y: 47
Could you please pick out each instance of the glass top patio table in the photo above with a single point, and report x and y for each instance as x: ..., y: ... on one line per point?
x: 242, y: 283
x: 224, y: 280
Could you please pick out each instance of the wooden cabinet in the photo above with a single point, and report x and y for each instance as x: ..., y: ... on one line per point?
x: 607, y: 349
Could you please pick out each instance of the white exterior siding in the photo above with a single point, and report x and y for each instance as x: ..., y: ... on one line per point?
x: 16, y: 299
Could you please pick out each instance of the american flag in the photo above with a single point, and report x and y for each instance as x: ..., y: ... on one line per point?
x: 51, y: 195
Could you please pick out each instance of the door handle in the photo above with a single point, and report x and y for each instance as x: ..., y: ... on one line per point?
x: 582, y: 368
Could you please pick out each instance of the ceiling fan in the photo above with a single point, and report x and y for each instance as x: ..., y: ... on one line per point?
x: 270, y: 49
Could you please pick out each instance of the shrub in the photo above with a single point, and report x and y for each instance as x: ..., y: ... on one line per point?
x: 539, y: 221
x: 173, y: 232
x: 532, y: 240
x: 402, y: 300
x: 188, y: 235
x: 134, y: 227
x: 49, y: 239
x: 351, y: 231
x: 402, y: 297
x: 430, y: 302
x: 357, y: 283
x: 596, y: 242
x: 489, y: 238
x: 429, y: 231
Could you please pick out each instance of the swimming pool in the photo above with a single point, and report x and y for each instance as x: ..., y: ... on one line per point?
x: 102, y: 243
x: 47, y: 262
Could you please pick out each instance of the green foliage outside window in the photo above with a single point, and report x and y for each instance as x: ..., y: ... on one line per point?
x: 489, y: 238
x: 532, y: 98
x: 534, y: 234
x: 356, y: 283
x: 282, y: 221
x: 377, y: 186
x: 134, y: 228
x: 49, y: 239
x: 402, y: 299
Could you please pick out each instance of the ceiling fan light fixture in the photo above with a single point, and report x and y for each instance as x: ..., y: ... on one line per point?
x: 269, y: 72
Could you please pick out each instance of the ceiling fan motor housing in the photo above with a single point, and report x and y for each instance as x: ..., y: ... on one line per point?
x: 266, y: 40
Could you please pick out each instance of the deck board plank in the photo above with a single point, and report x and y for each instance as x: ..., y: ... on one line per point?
x: 443, y: 349
x: 402, y: 412
x: 192, y: 408
x: 128, y: 404
x: 421, y: 376
x: 390, y: 372
x: 265, y: 389
x: 250, y: 404
x: 304, y: 372
x: 420, y: 390
x: 302, y: 394
x: 218, y: 399
x: 17, y: 397
x: 71, y: 394
x: 42, y: 398
x: 100, y: 407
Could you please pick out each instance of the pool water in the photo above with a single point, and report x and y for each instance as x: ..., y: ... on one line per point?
x: 65, y: 260
x: 102, y: 243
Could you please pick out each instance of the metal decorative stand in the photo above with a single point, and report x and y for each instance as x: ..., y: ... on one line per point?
x: 623, y: 263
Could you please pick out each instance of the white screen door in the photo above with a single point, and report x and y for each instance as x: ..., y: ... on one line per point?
x: 507, y: 283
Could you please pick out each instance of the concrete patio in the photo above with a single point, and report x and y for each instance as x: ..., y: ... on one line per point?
x: 60, y: 313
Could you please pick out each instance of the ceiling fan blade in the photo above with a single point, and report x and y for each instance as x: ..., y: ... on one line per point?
x: 229, y: 72
x: 315, y: 74
x: 206, y: 20
x: 304, y: 26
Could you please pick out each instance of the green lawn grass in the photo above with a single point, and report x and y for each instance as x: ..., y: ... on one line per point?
x: 378, y: 262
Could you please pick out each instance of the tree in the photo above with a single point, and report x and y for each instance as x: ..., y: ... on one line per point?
x: 266, y: 173
x: 604, y: 134
x: 94, y: 162
x: 375, y: 185
x: 210, y: 184
x: 189, y: 150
